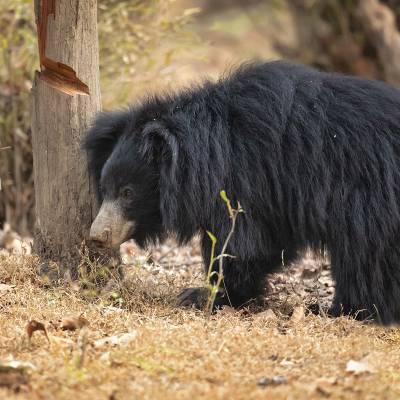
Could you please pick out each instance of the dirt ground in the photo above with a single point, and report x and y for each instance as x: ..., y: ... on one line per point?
x: 129, y: 341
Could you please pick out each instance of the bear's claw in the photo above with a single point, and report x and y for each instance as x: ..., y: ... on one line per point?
x: 193, y: 298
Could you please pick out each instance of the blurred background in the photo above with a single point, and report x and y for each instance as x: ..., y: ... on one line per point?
x: 157, y: 45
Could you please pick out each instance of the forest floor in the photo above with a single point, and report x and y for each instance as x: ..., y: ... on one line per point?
x: 129, y: 341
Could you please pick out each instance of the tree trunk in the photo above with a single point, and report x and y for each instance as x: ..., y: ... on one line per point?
x: 66, y: 96
x: 380, y: 24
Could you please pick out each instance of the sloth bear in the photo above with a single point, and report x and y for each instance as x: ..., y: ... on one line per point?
x: 312, y: 157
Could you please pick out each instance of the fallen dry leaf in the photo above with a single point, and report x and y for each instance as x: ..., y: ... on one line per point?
x: 73, y: 323
x: 276, y: 380
x: 12, y: 379
x: 113, y: 395
x: 122, y: 339
x: 5, y: 288
x: 265, y: 316
x: 298, y: 315
x: 17, y: 365
x: 13, y: 374
x: 34, y: 326
x: 358, y: 367
x: 111, y: 310
x: 105, y: 357
x: 287, y: 363
x: 323, y: 386
x: 227, y: 310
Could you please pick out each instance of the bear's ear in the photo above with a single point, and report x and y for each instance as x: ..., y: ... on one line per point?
x: 102, y: 138
x: 160, y: 145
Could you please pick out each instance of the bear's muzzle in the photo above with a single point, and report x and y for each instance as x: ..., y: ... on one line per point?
x: 110, y: 228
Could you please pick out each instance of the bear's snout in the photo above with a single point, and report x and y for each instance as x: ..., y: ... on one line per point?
x: 110, y: 228
x: 100, y: 237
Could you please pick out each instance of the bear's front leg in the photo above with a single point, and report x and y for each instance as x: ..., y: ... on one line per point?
x: 197, y: 297
x: 242, y: 282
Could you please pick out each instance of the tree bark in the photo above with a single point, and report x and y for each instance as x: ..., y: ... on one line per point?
x: 379, y: 22
x: 66, y: 96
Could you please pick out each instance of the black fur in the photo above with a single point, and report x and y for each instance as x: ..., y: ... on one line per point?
x: 313, y: 158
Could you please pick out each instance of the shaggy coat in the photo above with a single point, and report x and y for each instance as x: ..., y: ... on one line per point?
x: 313, y: 158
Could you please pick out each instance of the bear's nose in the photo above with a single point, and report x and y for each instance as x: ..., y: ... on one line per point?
x: 100, y: 237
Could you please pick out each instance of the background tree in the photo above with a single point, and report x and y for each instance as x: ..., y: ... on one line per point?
x: 66, y: 96
x: 138, y: 41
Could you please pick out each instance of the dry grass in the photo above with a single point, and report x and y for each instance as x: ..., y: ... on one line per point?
x: 179, y: 354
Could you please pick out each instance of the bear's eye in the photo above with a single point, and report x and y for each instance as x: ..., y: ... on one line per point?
x: 127, y: 193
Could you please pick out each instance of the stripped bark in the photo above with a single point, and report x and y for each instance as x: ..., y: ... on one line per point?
x: 66, y: 96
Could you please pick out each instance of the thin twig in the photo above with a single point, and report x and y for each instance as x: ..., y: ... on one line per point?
x: 189, y: 263
x: 166, y: 253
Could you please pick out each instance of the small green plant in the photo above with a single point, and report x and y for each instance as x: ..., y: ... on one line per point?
x: 215, y: 287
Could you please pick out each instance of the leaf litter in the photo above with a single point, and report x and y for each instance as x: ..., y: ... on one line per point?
x: 152, y: 350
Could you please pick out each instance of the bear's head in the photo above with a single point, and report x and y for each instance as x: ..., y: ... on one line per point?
x: 129, y: 157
